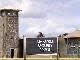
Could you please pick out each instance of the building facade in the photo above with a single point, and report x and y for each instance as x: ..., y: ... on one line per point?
x: 69, y: 45
x: 8, y: 32
x: 72, y: 41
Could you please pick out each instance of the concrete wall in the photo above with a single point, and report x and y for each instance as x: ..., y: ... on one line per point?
x: 62, y: 47
x: 40, y: 59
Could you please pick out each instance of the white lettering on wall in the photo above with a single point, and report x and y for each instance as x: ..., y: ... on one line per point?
x: 45, y: 45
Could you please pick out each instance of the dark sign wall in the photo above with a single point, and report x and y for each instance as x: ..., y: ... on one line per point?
x: 41, y: 45
x: 20, y: 48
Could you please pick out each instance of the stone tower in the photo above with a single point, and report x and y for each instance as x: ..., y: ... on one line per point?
x: 8, y: 32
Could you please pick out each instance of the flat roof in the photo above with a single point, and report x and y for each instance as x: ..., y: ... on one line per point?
x: 75, y: 34
x: 10, y: 10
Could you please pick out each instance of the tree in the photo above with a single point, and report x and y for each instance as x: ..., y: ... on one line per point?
x: 40, y: 35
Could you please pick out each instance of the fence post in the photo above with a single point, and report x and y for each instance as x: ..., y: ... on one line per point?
x: 24, y: 47
x: 57, y: 48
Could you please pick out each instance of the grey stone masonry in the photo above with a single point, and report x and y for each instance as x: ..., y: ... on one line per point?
x: 8, y: 31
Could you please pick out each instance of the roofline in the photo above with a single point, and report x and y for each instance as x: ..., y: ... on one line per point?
x: 10, y: 9
x: 70, y: 37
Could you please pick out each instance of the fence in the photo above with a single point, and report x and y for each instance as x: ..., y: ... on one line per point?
x: 61, y: 50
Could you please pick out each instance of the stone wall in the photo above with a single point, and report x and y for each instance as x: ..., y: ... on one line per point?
x: 1, y: 36
x: 8, y: 31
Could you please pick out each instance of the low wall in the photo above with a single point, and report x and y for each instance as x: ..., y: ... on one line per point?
x: 40, y: 59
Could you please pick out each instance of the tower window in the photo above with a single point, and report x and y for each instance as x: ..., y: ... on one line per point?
x: 14, y: 14
x: 8, y: 13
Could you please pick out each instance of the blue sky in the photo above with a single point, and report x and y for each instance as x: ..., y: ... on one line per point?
x: 52, y: 17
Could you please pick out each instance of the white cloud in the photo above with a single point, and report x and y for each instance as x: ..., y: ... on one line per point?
x: 48, y: 16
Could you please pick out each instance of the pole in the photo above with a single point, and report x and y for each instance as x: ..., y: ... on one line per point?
x: 67, y: 46
x: 24, y: 47
x: 78, y: 51
x: 57, y: 48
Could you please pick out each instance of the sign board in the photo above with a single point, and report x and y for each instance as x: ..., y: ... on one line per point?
x: 41, y: 45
